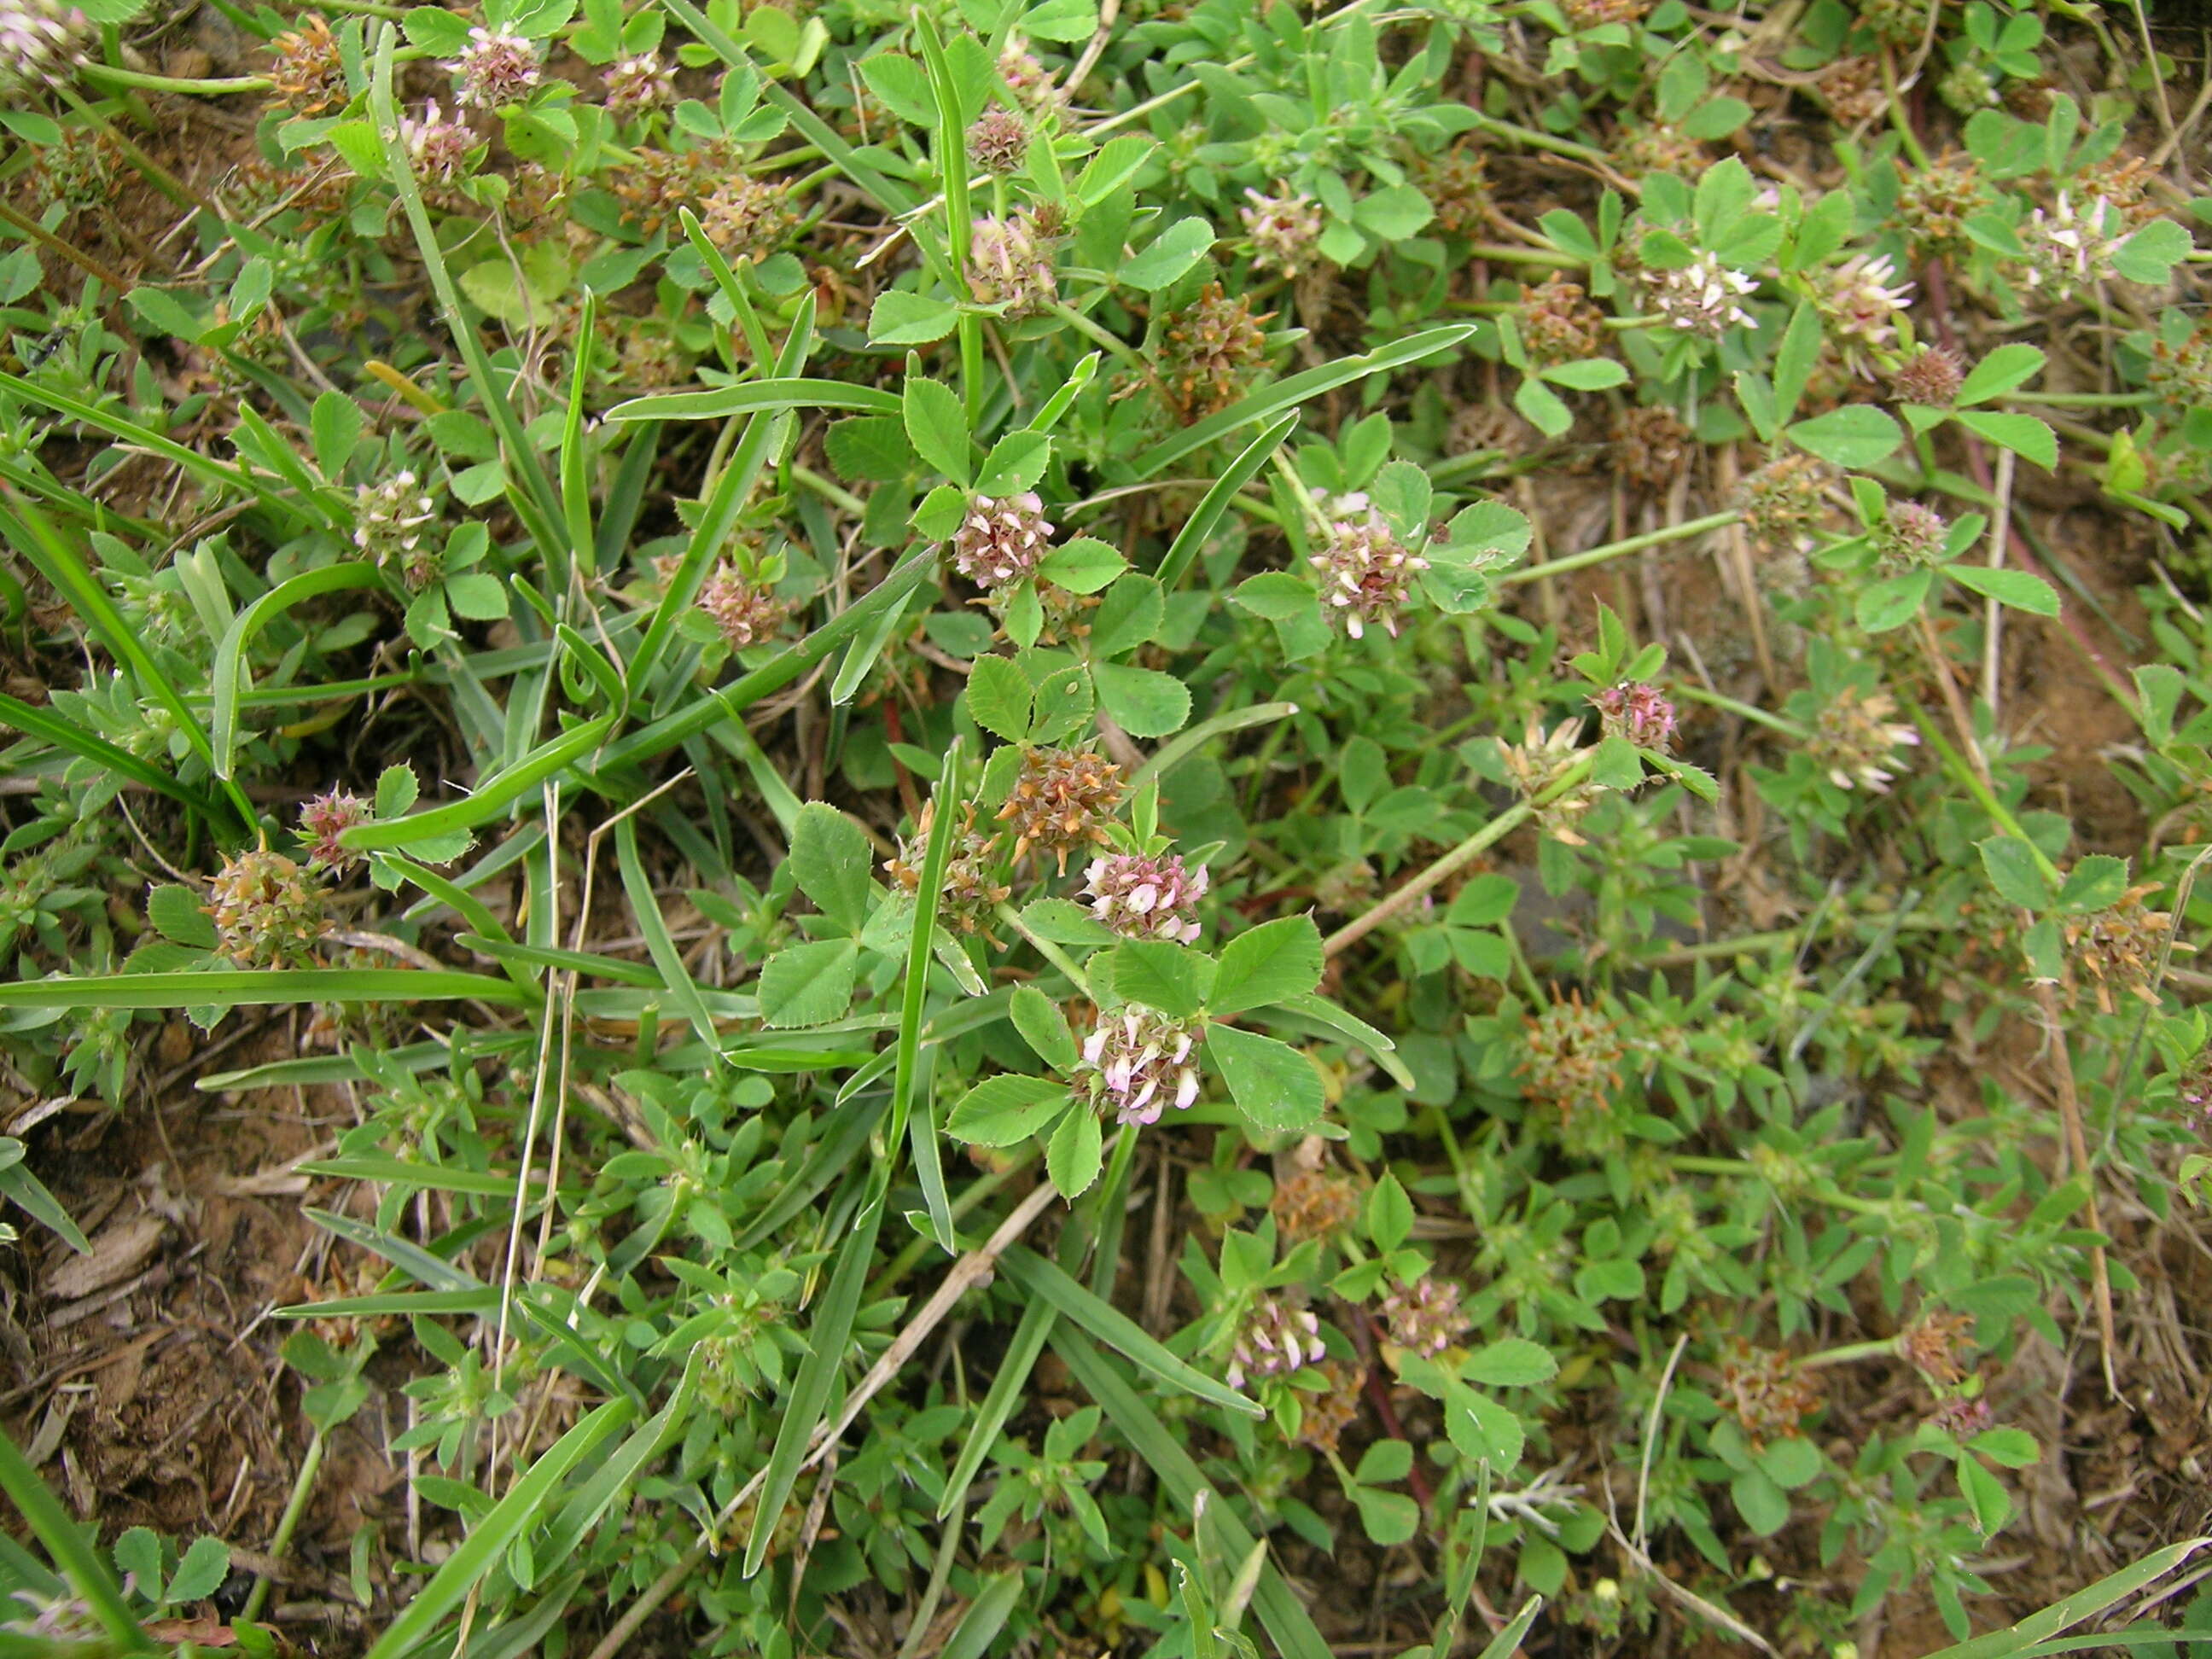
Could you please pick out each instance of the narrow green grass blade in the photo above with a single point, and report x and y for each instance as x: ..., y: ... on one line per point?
x: 1043, y: 1279
x: 861, y: 656
x: 439, y: 1304
x: 257, y: 988
x: 530, y: 492
x: 741, y: 303
x: 25, y: 1191
x: 524, y: 1505
x: 2022, y: 1638
x: 37, y: 539
x: 915, y: 991
x: 414, y: 1059
x: 827, y: 1341
x: 422, y: 1265
x: 457, y: 898
x: 741, y: 694
x: 777, y: 394
x: 612, y: 1480
x: 582, y: 962
x: 1281, y: 1613
x: 1166, y: 759
x: 1273, y: 400
x: 65, y: 733
x: 491, y: 798
x: 1507, y: 1642
x: 985, y: 1617
x: 654, y: 928
x: 207, y: 470
x: 999, y: 1400
x: 231, y: 675
x: 575, y: 479
x: 1190, y: 540
x: 625, y: 499
x: 412, y: 1172
x: 87, y: 1573
x: 727, y: 502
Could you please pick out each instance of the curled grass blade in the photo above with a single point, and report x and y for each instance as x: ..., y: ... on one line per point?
x: 1191, y: 540
x: 1045, y: 1280
x: 584, y: 963
x: 257, y: 988
x: 232, y: 677
x: 478, y: 1555
x: 575, y: 475
x: 1281, y: 1613
x: 396, y: 1304
x: 25, y: 1191
x: 1271, y: 401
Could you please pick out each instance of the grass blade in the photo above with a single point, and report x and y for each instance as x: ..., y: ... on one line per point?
x: 411, y: 1172
x: 257, y: 988
x: 999, y: 1400
x: 491, y: 798
x: 28, y: 1194
x: 985, y: 1617
x: 1045, y: 1280
x: 1508, y: 1641
x: 1190, y: 540
x: 654, y: 928
x: 2022, y: 1638
x: 232, y: 676
x: 914, y: 992
x: 775, y: 394
x: 422, y: 1266
x: 1271, y: 401
x: 488, y: 1540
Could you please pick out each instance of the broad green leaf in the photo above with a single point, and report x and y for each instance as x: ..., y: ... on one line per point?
x: 1389, y: 1215
x: 809, y: 984
x: 2023, y: 434
x: 1510, y: 1362
x: 1893, y: 601
x: 2020, y: 590
x: 830, y: 859
x: 1275, y: 1086
x: 1143, y: 701
x: 1764, y: 1506
x: 2004, y: 369
x: 1174, y: 252
x: 1082, y: 566
x: 937, y: 426
x: 999, y: 699
x: 2097, y: 883
x: 1274, y: 961
x: 1004, y: 1111
x: 1855, y: 435
x: 2015, y: 872
x: 1172, y: 978
x: 1074, y: 1155
x: 1044, y: 1028
x: 899, y: 318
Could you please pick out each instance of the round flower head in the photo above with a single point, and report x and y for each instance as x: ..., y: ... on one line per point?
x: 998, y: 141
x: 1703, y: 297
x: 1366, y: 573
x: 497, y: 67
x: 1859, y: 301
x: 637, y: 85
x: 1274, y: 1340
x: 390, y: 520
x: 1931, y: 376
x: 323, y: 819
x: 1138, y: 1062
x: 1009, y: 263
x: 1638, y: 712
x: 1001, y: 539
x: 745, y: 612
x: 1425, y: 1316
x: 2070, y: 247
x: 438, y: 148
x: 268, y: 912
x: 1060, y: 801
x: 1145, y: 898
x: 1285, y: 229
x: 41, y: 42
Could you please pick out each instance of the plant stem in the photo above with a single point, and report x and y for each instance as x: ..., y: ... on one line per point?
x: 1787, y: 728
x: 302, y: 1485
x: 1614, y: 549
x: 1045, y: 948
x: 53, y: 243
x: 1458, y: 858
x: 829, y: 492
x: 220, y: 87
x: 1884, y: 1349
x: 1068, y: 314
x: 2085, y: 399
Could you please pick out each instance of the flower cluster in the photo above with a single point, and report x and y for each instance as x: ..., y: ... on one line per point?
x: 1855, y: 742
x: 1960, y: 1418
x: 308, y: 77
x: 998, y: 141
x: 1704, y: 297
x: 1062, y: 801
x: 1765, y: 1392
x: 41, y: 42
x: 744, y: 610
x: 1022, y: 71
x: 2118, y: 947
x: 438, y: 148
x: 969, y: 893
x: 746, y: 217
x: 1935, y: 202
x: 1931, y: 376
x: 496, y: 68
x: 1911, y: 536
x: 2192, y: 1088
x: 1143, y: 897
x: 1640, y: 713
x: 1313, y: 1204
x: 1366, y: 573
x: 1425, y: 1317
x: 1559, y: 324
x: 1009, y: 263
x: 1274, y: 1340
x: 1001, y: 539
x: 268, y: 912
x: 2070, y: 248
x: 1208, y: 352
x: 1539, y: 764
x: 390, y: 521
x: 1784, y: 501
x: 1937, y: 1346
x: 1650, y: 445
x: 637, y: 85
x: 1859, y: 301
x: 1137, y: 1062
x: 1285, y: 229
x: 323, y: 819
x: 1325, y: 1415
x: 1572, y: 1060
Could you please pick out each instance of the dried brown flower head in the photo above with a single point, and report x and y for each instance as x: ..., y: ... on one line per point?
x: 1062, y: 801
x: 1763, y: 1389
